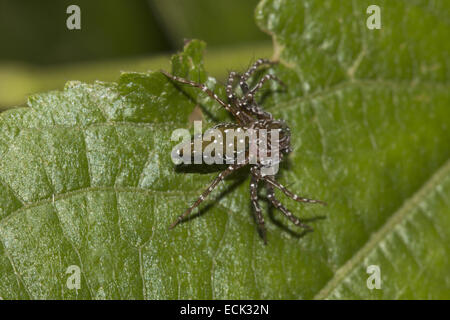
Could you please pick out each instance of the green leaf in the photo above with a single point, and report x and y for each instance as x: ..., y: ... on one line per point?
x: 219, y: 23
x: 86, y: 177
x: 18, y: 81
x: 411, y: 248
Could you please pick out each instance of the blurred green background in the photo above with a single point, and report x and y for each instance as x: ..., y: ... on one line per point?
x: 40, y: 53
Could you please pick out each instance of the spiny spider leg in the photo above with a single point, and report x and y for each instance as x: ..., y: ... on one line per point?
x: 247, y: 100
x: 250, y: 95
x: 229, y: 88
x: 243, y: 81
x: 240, y: 116
x: 291, y: 195
x: 277, y: 204
x: 255, y: 66
x: 205, y: 193
x: 253, y: 108
x: 254, y: 198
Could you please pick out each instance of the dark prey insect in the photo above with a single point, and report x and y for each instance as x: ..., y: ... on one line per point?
x: 249, y: 114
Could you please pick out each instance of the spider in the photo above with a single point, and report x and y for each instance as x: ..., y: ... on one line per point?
x: 249, y: 114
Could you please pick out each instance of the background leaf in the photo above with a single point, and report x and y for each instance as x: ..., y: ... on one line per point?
x: 87, y: 180
x: 39, y: 55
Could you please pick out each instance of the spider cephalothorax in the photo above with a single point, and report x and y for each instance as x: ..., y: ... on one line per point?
x: 249, y: 115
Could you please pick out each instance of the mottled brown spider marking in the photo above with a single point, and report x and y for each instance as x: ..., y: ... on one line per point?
x: 249, y: 114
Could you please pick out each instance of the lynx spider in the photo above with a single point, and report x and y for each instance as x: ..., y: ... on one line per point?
x: 248, y: 114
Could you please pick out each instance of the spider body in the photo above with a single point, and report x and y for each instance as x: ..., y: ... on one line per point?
x: 249, y: 115
x: 231, y: 133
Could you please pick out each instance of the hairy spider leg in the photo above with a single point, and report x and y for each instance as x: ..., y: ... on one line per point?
x: 261, y: 82
x: 229, y: 88
x: 254, y: 67
x: 248, y: 99
x: 291, y: 195
x: 205, y: 193
x: 249, y: 72
x: 248, y: 105
x: 254, y: 198
x: 277, y: 204
x: 236, y: 113
x: 233, y: 98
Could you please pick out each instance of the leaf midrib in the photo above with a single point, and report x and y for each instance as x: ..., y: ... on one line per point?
x: 394, y: 220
